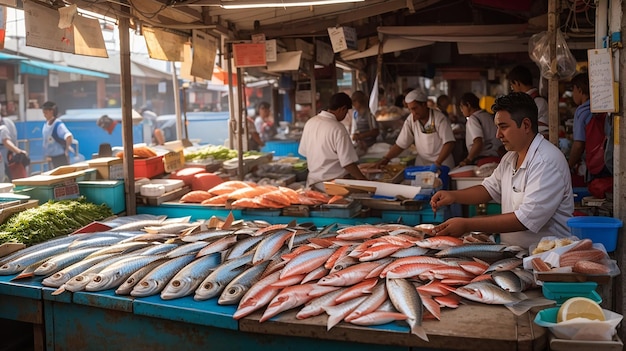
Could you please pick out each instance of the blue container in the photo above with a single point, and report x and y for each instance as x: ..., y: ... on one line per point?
x: 598, y: 229
x: 561, y: 292
x: 282, y: 147
x: 109, y: 192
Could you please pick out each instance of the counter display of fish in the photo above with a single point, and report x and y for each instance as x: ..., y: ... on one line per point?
x: 362, y: 274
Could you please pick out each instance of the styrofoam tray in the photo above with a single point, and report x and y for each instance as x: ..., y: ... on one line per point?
x: 169, y: 184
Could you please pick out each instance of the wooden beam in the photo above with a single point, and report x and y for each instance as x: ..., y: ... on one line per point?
x: 553, y: 83
x: 127, y: 118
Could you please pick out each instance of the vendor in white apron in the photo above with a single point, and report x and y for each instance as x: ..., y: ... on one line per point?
x: 532, y: 182
x: 428, y: 129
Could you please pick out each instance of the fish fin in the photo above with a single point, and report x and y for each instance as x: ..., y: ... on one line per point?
x: 59, y: 291
x: 292, y: 224
x: 521, y: 307
x: 228, y: 221
x: 420, y: 332
x: 291, y: 239
x: 333, y: 320
x: 23, y: 275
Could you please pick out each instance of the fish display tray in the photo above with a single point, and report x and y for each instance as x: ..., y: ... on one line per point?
x: 338, y: 212
x: 158, y: 200
x: 296, y: 211
x: 109, y: 192
x: 260, y: 212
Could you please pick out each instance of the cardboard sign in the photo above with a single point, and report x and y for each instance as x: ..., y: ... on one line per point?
x: 42, y: 29
x: 164, y: 45
x: 204, y: 51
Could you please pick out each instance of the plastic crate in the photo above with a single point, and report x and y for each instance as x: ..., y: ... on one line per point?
x: 109, y: 192
x: 562, y: 291
x: 108, y: 167
x: 598, y: 229
x: 44, y: 193
x: 149, y: 167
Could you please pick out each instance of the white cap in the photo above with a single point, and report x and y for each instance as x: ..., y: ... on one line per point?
x: 416, y: 95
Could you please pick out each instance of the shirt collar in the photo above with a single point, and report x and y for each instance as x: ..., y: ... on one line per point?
x: 326, y: 114
x: 532, y: 150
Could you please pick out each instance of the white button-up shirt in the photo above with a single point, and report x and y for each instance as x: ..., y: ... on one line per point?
x: 539, y: 192
x: 327, y: 147
x: 428, y: 138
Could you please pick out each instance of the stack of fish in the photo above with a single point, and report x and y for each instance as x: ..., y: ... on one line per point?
x: 364, y: 274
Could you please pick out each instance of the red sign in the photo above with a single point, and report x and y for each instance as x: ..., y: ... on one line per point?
x: 249, y: 55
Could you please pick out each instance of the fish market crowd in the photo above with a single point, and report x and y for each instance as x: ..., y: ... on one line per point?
x: 361, y: 274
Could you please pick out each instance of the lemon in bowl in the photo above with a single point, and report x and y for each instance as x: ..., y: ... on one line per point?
x: 580, y: 307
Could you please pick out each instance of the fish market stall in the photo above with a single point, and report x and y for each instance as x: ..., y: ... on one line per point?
x: 145, y: 282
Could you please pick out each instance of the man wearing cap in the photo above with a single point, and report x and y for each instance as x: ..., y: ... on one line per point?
x: 327, y: 146
x: 428, y: 129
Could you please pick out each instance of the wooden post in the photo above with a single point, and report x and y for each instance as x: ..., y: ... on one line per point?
x: 553, y: 85
x: 127, y: 113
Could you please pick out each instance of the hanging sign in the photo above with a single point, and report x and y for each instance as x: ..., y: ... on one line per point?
x: 602, y: 94
x: 342, y: 38
x: 249, y: 55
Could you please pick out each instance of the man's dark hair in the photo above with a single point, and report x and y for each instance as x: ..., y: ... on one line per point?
x: 581, y: 80
x: 262, y: 104
x: 520, y: 74
x: 340, y: 100
x: 520, y: 106
x: 471, y: 100
x: 49, y: 105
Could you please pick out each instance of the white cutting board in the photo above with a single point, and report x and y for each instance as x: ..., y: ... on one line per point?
x: 384, y: 189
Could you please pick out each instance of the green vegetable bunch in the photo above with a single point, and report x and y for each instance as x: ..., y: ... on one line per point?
x: 51, y: 219
x: 211, y: 151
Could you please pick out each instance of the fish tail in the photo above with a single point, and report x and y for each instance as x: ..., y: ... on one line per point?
x: 59, y: 291
x: 420, y: 332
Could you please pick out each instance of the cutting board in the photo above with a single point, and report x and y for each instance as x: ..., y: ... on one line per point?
x: 42, y: 179
x: 345, y: 189
x: 384, y: 189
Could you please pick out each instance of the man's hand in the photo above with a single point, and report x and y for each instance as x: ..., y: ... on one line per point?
x: 456, y: 226
x: 441, y: 198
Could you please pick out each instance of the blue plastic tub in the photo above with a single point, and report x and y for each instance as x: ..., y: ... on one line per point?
x: 598, y: 229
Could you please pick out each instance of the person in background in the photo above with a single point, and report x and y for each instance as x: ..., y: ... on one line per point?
x: 263, y: 122
x: 521, y: 80
x: 364, y: 127
x: 428, y: 129
x: 13, y: 158
x: 582, y: 116
x: 151, y: 132
x: 57, y: 139
x: 443, y: 101
x: 254, y: 139
x: 532, y: 182
x: 326, y: 144
x: 480, y: 131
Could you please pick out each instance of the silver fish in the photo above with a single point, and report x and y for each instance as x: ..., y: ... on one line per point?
x: 138, y: 225
x: 134, y: 278
x: 505, y: 264
x: 486, y: 292
x: 172, y: 228
x: 99, y: 241
x: 406, y: 300
x: 508, y: 281
x: 61, y: 277
x: 115, y: 274
x: 187, y: 280
x: 120, y: 248
x: 235, y: 290
x: 37, y: 247
x: 483, y: 251
x: 156, y: 279
x: 159, y: 249
x: 22, y: 262
x: 242, y: 246
x: 271, y: 244
x: 216, y: 281
x: 78, y: 282
x: 207, y: 236
x: 63, y: 260
x: 410, y: 251
x: 191, y: 248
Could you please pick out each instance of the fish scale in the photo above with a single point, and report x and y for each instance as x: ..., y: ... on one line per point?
x: 156, y: 279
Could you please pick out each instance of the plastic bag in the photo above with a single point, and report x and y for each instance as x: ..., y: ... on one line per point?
x: 539, y: 52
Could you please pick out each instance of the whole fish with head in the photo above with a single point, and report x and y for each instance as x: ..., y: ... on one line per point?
x: 353, y: 274
x: 150, y: 237
x: 154, y: 282
x: 505, y: 264
x: 343, y: 263
x: 482, y: 251
x: 98, y: 241
x: 220, y: 245
x: 80, y: 281
x: 337, y: 313
x: 291, y: 297
x: 61, y: 277
x: 486, y: 292
x: 134, y: 278
x: 378, y: 318
x: 186, y: 281
x: 20, y: 263
x: 316, y: 306
x: 118, y: 221
x: 216, y: 281
x: 371, y: 303
x: 115, y: 274
x: 407, y: 301
x: 306, y: 262
x: 63, y: 260
x: 234, y: 291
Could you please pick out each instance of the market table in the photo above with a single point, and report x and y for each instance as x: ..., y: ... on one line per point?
x: 105, y: 321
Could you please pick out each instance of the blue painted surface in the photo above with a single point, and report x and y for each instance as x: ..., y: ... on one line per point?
x: 29, y: 288
x: 182, y: 210
x: 106, y: 299
x: 21, y: 309
x: 207, y: 313
x: 282, y: 147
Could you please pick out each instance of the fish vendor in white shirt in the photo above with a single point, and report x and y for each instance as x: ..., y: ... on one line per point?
x: 532, y: 182
x: 327, y: 145
x: 428, y: 129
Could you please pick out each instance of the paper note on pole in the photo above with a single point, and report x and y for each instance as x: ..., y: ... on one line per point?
x: 602, y: 94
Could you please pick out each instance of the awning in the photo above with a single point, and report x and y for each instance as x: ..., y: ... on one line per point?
x: 9, y: 57
x: 41, y: 68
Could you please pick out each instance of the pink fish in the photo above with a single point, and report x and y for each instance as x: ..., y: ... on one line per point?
x: 435, y: 288
x: 364, y: 231
x: 411, y: 270
x: 378, y: 252
x: 360, y: 289
x: 306, y: 262
x: 337, y: 313
x: 288, y: 298
x: 440, y: 242
x: 315, y: 274
x: 350, y: 275
x: 378, y: 318
x: 411, y: 260
x: 431, y: 305
x: 369, y: 305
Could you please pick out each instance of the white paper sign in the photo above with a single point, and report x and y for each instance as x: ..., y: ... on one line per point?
x: 342, y: 38
x: 204, y: 51
x: 42, y: 29
x: 66, y: 15
x: 602, y: 94
x: 270, y: 50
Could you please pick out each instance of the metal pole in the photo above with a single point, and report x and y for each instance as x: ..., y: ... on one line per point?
x: 553, y: 86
